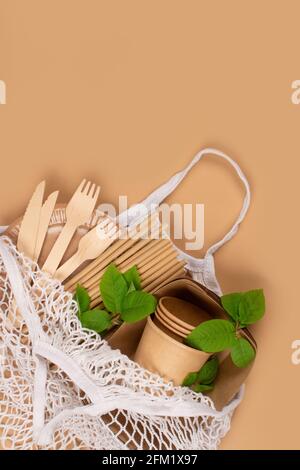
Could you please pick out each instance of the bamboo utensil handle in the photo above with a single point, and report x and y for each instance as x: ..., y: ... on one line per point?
x: 75, y: 261
x: 90, y: 246
x: 68, y: 267
x: 59, y: 248
x: 45, y: 216
x: 28, y: 232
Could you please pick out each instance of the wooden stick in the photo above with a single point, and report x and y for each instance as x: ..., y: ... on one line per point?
x: 173, y: 273
x: 132, y: 251
x: 142, y: 245
x: 161, y: 268
x: 146, y: 279
x: 170, y: 275
x: 152, y: 267
x: 94, y: 288
x: 151, y: 254
x: 96, y: 273
x: 142, y: 264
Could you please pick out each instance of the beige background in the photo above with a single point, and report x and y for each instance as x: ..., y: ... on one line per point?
x: 125, y: 92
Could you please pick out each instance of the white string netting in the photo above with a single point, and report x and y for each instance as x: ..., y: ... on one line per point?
x: 63, y: 387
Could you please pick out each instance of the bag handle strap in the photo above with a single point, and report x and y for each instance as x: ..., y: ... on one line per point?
x: 157, y: 196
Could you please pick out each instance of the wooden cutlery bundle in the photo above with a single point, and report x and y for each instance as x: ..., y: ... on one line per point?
x: 87, y: 241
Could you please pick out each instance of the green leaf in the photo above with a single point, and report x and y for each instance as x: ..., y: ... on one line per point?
x: 82, y: 298
x: 137, y: 305
x: 252, y: 307
x: 212, y: 336
x: 113, y: 289
x: 131, y: 288
x: 242, y: 353
x: 132, y: 276
x: 202, y: 388
x: 97, y: 320
x: 190, y: 379
x: 230, y: 303
x: 208, y: 372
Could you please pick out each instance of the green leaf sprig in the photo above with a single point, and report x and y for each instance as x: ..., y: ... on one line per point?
x: 203, y: 380
x: 123, y: 298
x: 212, y: 336
x: 97, y: 319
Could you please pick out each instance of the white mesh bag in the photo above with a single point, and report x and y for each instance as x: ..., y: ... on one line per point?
x: 63, y: 387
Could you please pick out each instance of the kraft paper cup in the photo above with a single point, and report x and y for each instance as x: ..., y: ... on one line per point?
x: 167, y: 330
x: 169, y: 319
x: 167, y: 356
x: 171, y: 326
x: 182, y: 313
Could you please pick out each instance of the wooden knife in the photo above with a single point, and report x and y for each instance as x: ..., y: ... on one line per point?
x: 45, y: 216
x: 30, y: 223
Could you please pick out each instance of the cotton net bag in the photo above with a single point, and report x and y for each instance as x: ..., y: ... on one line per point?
x: 63, y: 387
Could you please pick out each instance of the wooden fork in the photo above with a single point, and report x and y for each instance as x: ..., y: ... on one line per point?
x: 90, y: 247
x: 78, y: 212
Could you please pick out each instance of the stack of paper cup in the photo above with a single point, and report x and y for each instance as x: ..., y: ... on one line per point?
x: 180, y: 316
x: 162, y: 349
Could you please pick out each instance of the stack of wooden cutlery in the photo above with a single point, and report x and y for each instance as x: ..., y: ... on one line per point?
x: 35, y: 224
x: 144, y: 245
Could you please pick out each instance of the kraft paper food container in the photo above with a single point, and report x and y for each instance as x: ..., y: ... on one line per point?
x: 161, y: 353
x: 229, y: 378
x: 165, y: 329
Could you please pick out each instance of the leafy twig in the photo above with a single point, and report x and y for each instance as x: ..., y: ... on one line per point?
x: 244, y: 308
x: 123, y: 299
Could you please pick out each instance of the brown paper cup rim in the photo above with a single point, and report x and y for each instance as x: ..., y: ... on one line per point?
x: 170, y: 326
x: 173, y: 321
x: 194, y: 320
